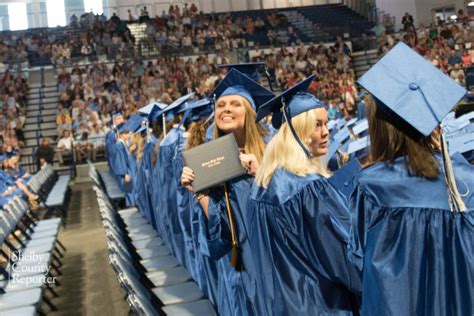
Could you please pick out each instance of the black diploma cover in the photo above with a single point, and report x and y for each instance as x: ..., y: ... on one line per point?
x: 214, y: 162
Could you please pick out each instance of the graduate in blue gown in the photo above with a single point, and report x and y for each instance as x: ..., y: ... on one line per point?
x: 413, y: 229
x: 145, y: 174
x: 110, y: 140
x: 299, y: 222
x: 124, y: 163
x: 237, y: 98
x: 203, y: 270
x: 168, y: 180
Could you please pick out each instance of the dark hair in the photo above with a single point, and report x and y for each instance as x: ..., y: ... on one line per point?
x: 391, y: 139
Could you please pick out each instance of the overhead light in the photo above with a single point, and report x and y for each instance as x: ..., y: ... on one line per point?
x: 470, y: 4
x: 453, y: 17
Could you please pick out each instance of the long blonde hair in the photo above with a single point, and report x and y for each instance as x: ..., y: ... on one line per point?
x: 254, y: 132
x: 283, y: 151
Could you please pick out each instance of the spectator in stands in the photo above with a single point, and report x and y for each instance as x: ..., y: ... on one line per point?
x: 130, y: 15
x: 408, y: 22
x: 63, y: 121
x: 82, y: 144
x: 73, y: 20
x: 144, y: 15
x: 97, y: 139
x: 44, y: 153
x: 64, y: 146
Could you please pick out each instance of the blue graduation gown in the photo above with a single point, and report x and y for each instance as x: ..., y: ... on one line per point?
x: 416, y: 256
x: 122, y: 163
x: 169, y: 178
x: 110, y: 140
x: 145, y: 176
x: 299, y: 236
x: 234, y: 288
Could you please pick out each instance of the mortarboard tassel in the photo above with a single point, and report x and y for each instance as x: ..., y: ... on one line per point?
x: 455, y: 201
x: 236, y: 258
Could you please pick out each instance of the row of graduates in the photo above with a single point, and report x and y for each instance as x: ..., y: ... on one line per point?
x: 283, y: 239
x: 14, y: 180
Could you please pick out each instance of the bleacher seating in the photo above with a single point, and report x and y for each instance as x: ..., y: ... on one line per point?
x: 337, y: 19
x: 153, y: 279
x: 36, y: 258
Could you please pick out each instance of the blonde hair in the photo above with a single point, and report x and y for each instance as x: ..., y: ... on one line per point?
x: 254, y: 132
x: 197, y: 134
x: 283, y: 151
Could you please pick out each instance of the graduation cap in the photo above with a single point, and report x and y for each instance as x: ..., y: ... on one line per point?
x: 332, y: 124
x: 120, y: 127
x: 359, y: 148
x: 333, y: 148
x: 236, y: 83
x: 151, y: 109
x: 464, y: 145
x: 413, y: 93
x: 142, y: 130
x: 289, y: 104
x: 199, y: 109
x: 411, y: 88
x: 248, y: 69
x: 172, y: 109
x: 133, y: 123
x: 360, y: 127
x: 351, y: 122
x: 275, y: 105
x: 343, y: 178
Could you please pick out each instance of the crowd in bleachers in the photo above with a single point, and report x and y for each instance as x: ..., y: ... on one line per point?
x: 89, y: 95
x: 447, y: 46
x: 92, y: 35
x: 189, y: 29
x: 13, y: 95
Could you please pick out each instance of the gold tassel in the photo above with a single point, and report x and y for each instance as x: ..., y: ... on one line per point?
x: 235, y: 259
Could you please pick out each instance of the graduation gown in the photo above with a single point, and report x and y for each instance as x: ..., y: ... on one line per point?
x: 122, y: 163
x: 145, y: 174
x: 234, y: 288
x: 168, y: 179
x: 110, y: 140
x: 299, y: 237
x: 416, y: 256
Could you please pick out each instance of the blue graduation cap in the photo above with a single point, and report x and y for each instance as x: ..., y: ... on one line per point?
x: 409, y: 88
x: 142, y: 130
x: 248, y: 69
x: 343, y: 178
x: 171, y: 110
x: 360, y: 127
x: 351, y: 122
x: 289, y: 104
x: 199, y: 109
x: 306, y: 102
x: 332, y: 124
x: 359, y: 147
x: 151, y: 109
x: 120, y: 127
x: 463, y: 145
x: 133, y: 123
x: 236, y: 83
x: 342, y: 135
x: 333, y: 147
